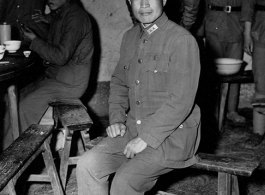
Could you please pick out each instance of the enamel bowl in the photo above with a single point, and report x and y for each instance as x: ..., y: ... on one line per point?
x: 228, y: 66
x: 12, y: 46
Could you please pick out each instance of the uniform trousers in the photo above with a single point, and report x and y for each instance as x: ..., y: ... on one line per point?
x: 258, y: 68
x: 132, y: 176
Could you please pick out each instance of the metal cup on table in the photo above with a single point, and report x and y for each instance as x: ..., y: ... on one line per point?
x: 5, y: 32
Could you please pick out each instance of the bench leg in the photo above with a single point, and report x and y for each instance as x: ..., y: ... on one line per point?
x: 221, y: 114
x: 65, y: 157
x: 227, y: 184
x: 51, y: 169
x: 66, y: 160
x: 13, y: 110
x: 84, y: 138
x: 235, y: 189
x: 224, y: 184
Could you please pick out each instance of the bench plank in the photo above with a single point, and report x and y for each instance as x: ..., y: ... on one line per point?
x: 20, y: 151
x: 72, y: 114
x: 235, y: 166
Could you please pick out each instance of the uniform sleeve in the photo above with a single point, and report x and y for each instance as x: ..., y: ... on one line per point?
x: 184, y: 71
x: 191, y: 8
x: 119, y: 97
x: 73, y: 32
x: 248, y: 9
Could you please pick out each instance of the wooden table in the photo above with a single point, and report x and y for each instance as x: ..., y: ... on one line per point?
x: 10, y: 74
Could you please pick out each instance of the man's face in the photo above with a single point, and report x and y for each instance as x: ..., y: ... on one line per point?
x: 147, y: 11
x: 56, y: 4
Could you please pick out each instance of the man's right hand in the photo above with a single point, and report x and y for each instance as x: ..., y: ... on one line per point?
x: 39, y: 17
x: 248, y: 44
x: 117, y: 129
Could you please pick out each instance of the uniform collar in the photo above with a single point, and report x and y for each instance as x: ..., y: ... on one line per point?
x: 155, y: 26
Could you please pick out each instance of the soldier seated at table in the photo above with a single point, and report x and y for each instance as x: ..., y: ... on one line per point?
x: 67, y: 56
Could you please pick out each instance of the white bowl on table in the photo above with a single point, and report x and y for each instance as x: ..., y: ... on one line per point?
x: 12, y: 46
x: 228, y: 66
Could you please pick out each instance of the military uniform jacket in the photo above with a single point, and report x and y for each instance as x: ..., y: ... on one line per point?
x: 69, y: 48
x: 191, y: 8
x: 153, y: 89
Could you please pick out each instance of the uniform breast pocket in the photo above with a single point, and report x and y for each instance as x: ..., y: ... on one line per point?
x: 157, y: 73
x: 127, y: 72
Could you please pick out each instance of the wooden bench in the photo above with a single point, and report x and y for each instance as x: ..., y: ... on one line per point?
x: 228, y: 169
x: 19, y: 155
x: 72, y: 115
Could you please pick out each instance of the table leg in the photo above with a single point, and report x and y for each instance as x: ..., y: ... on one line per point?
x: 13, y: 110
x: 223, y: 94
x: 224, y: 184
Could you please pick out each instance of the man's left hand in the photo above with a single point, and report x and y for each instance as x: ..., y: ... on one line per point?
x: 134, y: 147
x: 26, y: 32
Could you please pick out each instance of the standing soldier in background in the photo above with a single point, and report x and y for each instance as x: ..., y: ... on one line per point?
x: 254, y: 12
x: 223, y: 31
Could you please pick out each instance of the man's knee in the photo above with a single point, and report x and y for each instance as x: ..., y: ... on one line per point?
x: 88, y: 163
x: 129, y: 183
x: 83, y: 162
